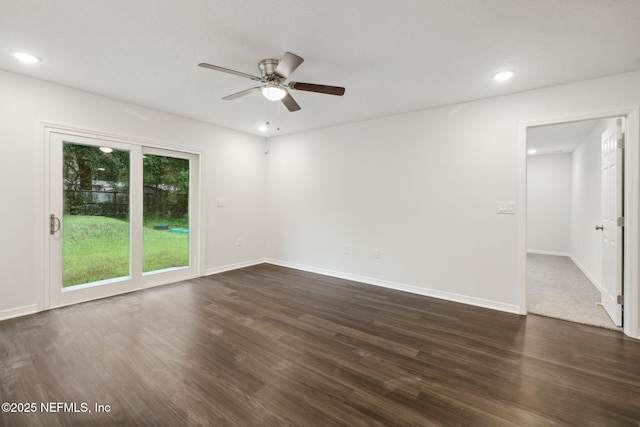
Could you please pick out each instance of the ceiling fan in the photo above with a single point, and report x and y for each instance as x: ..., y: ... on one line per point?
x: 274, y: 73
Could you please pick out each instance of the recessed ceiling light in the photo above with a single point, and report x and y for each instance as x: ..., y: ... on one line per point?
x: 262, y: 128
x: 25, y: 57
x: 503, y: 76
x: 532, y: 151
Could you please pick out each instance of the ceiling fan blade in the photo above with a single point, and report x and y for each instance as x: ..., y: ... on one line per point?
x: 226, y: 70
x: 290, y: 103
x: 240, y: 94
x: 310, y: 87
x: 288, y: 64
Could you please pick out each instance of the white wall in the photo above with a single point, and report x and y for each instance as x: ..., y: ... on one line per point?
x: 421, y: 187
x: 549, y: 183
x: 233, y: 165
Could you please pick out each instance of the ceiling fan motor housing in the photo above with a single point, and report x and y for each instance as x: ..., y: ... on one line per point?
x: 268, y: 67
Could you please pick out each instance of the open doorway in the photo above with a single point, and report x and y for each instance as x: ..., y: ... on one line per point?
x: 564, y: 274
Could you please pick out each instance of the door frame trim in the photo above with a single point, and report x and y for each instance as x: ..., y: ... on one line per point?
x: 46, y: 128
x: 631, y: 208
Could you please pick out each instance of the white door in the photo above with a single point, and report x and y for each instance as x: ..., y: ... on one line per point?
x: 122, y: 217
x: 612, y: 214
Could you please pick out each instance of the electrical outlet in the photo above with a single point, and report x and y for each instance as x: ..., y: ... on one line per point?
x: 221, y: 203
x: 376, y: 253
x: 239, y: 242
x: 345, y: 249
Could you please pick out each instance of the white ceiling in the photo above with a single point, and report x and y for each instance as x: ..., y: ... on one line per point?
x: 559, y: 138
x: 392, y: 57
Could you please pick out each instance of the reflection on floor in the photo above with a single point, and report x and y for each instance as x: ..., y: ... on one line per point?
x: 556, y: 287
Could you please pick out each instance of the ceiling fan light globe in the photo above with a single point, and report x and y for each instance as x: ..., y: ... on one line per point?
x: 273, y: 93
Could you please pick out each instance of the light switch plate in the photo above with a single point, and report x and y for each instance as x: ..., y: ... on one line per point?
x: 508, y: 208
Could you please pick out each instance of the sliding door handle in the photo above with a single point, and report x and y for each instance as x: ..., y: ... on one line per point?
x: 54, y: 224
x: 599, y: 227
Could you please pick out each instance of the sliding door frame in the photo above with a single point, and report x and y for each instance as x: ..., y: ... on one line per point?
x: 196, y: 223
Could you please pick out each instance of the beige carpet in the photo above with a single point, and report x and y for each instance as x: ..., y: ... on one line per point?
x: 556, y: 287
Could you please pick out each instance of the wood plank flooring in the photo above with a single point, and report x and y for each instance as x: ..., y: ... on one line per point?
x: 269, y: 346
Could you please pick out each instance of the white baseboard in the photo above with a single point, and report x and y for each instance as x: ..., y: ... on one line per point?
x: 18, y: 311
x: 586, y: 273
x: 448, y: 296
x: 229, y: 267
x: 533, y: 251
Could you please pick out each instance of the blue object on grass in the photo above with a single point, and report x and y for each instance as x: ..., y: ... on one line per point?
x: 179, y: 230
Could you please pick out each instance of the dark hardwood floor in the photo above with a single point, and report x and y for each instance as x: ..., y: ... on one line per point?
x: 269, y: 346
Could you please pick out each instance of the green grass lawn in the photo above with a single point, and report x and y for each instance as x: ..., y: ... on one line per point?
x: 97, y: 248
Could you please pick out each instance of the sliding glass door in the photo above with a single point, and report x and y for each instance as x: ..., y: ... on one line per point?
x: 96, y: 231
x: 169, y: 218
x: 121, y: 217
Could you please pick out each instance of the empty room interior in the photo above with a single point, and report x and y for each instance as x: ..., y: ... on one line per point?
x: 330, y: 213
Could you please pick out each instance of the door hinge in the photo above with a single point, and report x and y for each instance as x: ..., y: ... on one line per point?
x: 620, y: 299
x: 621, y: 141
x: 620, y: 221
